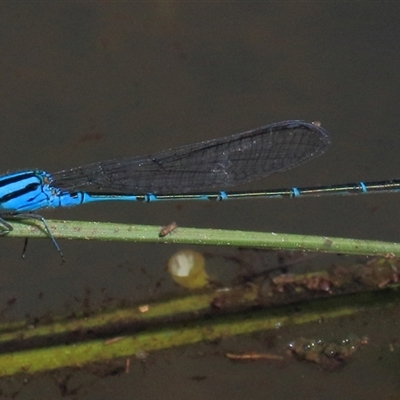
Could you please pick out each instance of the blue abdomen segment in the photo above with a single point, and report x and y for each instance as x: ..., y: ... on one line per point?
x: 72, y: 199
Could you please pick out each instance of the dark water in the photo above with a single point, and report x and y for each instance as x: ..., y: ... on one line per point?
x: 85, y: 82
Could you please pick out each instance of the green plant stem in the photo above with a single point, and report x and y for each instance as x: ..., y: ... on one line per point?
x: 106, y: 231
x: 122, y: 333
x: 179, y: 334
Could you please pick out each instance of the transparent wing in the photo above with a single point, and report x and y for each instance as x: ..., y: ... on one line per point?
x: 210, y: 165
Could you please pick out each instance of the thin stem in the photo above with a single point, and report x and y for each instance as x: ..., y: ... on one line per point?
x: 82, y: 230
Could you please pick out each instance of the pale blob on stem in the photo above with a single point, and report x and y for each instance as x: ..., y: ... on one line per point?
x: 187, y: 268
